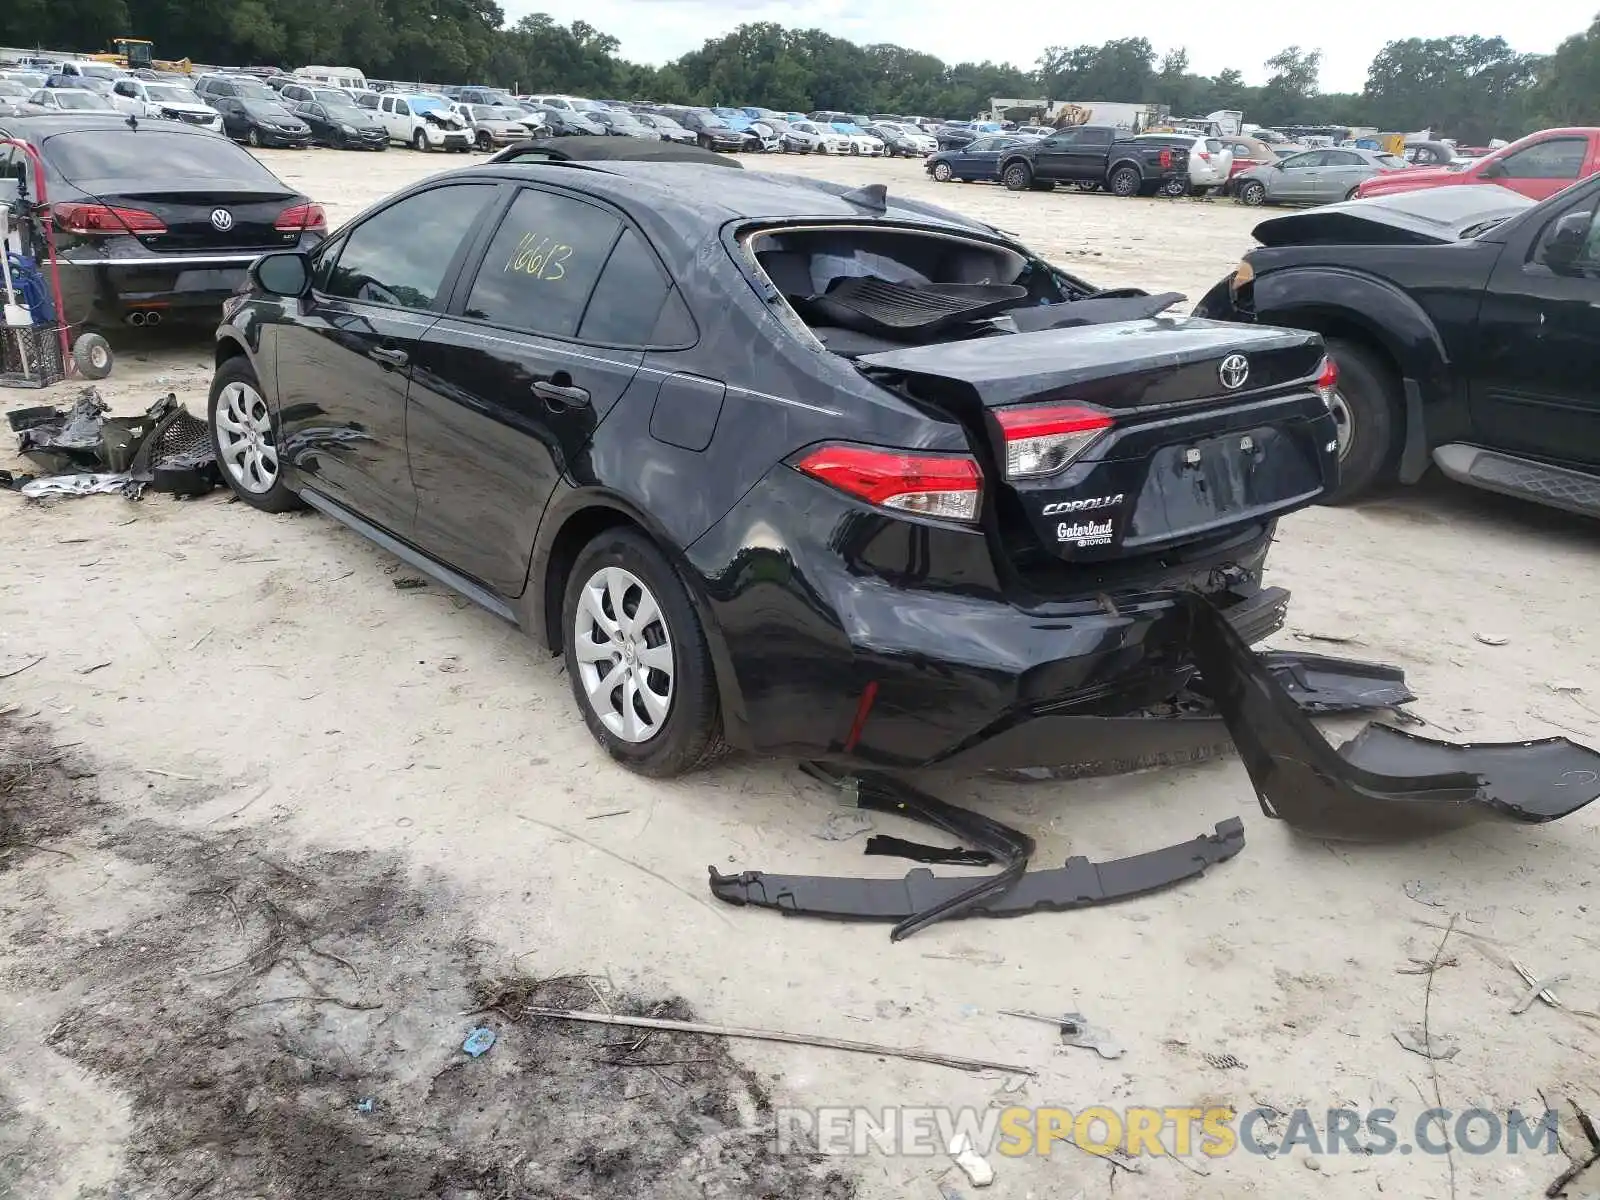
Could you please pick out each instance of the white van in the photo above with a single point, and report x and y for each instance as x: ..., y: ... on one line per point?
x: 348, y: 78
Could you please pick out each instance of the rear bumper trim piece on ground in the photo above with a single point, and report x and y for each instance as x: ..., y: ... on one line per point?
x: 1078, y: 884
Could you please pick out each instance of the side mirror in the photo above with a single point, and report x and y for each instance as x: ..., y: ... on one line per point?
x: 1493, y: 169
x: 286, y: 274
x: 1564, y: 243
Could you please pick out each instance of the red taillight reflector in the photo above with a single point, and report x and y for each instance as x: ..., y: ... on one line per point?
x: 1327, y: 379
x: 1042, y: 439
x: 301, y: 218
x: 1166, y: 159
x: 102, y: 220
x: 946, y: 486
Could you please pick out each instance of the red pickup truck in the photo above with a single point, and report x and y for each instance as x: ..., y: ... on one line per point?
x: 1538, y: 166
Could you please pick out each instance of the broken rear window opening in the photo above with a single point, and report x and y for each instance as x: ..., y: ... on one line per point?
x: 861, y: 289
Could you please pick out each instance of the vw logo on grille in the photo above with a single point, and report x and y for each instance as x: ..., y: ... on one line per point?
x: 222, y: 220
x: 1235, y: 369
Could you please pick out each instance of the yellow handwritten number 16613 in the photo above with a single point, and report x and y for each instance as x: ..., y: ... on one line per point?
x: 540, y: 257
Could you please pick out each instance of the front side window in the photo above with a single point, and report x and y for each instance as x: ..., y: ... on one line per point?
x: 542, y: 264
x: 1558, y: 158
x: 401, y: 255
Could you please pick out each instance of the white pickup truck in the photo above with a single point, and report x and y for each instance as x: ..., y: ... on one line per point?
x: 423, y: 122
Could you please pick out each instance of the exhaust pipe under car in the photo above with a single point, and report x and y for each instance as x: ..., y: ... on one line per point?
x: 143, y: 320
x: 136, y: 318
x: 152, y: 319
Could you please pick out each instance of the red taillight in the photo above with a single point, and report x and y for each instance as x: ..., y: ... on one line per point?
x: 1327, y: 380
x: 947, y: 486
x: 1043, y: 439
x: 103, y: 220
x: 1166, y: 159
x: 302, y: 218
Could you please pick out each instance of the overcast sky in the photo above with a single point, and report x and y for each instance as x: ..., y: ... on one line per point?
x: 1239, y: 34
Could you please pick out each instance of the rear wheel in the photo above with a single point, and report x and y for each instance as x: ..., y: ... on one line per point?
x: 1017, y: 177
x: 637, y: 657
x: 1252, y: 193
x: 1126, y: 182
x: 942, y: 172
x: 1366, y: 412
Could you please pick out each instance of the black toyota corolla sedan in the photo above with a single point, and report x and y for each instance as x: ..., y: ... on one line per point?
x: 809, y: 470
x: 153, y: 220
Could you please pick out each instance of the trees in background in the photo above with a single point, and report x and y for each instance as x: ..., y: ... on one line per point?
x: 1468, y: 87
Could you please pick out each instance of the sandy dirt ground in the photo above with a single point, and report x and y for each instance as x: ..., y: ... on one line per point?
x: 278, y: 776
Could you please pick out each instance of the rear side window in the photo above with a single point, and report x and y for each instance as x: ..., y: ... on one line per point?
x: 542, y: 264
x: 148, y: 153
x: 1095, y: 137
x: 1213, y: 146
x: 628, y: 298
x: 401, y: 256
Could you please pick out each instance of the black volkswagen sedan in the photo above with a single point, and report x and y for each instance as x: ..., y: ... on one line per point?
x: 153, y: 220
x: 764, y: 460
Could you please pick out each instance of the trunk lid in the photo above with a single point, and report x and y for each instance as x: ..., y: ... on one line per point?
x: 1175, y: 454
x: 189, y: 213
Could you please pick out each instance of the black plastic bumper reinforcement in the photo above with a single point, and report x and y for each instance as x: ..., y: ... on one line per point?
x: 1384, y: 783
x: 1078, y: 884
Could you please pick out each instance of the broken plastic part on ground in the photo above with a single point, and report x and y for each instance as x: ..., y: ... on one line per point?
x: 1385, y: 782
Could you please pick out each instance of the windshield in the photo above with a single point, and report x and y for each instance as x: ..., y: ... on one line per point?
x: 330, y: 96
x: 1391, y: 161
x: 165, y: 93
x: 27, y: 80
x: 76, y: 99
x: 8, y: 88
x: 151, y: 154
x: 727, y: 112
x: 661, y: 122
x: 484, y: 112
x: 504, y: 112
x: 267, y: 112
x: 99, y: 71
x: 712, y: 122
x: 617, y: 117
x: 589, y: 106
x: 846, y: 127
x: 343, y: 108
x: 422, y: 104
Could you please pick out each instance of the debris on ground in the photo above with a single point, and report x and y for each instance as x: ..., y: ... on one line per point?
x: 1423, y: 893
x: 973, y: 1165
x: 1539, y: 989
x: 1075, y: 1030
x: 1223, y: 1062
x: 82, y: 451
x: 478, y: 1042
x: 1492, y: 639
x: 1436, y: 1046
x: 843, y: 824
x: 409, y: 583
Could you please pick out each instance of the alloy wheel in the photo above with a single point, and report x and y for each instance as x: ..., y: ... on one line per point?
x: 245, y: 437
x: 1343, y: 424
x: 942, y: 172
x: 1252, y: 194
x: 624, y: 653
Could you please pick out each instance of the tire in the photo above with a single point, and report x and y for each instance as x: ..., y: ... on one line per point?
x: 1087, y: 185
x: 485, y: 142
x: 1350, y: 195
x: 91, y: 354
x: 1126, y: 182
x: 623, y: 563
x: 1368, y: 407
x: 419, y: 141
x: 703, y: 142
x: 1017, y: 176
x: 253, y: 137
x: 942, y: 172
x: 1175, y: 188
x: 250, y: 465
x: 1252, y: 193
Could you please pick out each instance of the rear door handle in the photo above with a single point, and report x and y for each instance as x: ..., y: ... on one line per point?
x: 556, y: 393
x: 389, y: 356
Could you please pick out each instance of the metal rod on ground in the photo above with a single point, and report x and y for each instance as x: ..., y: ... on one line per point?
x: 773, y: 1035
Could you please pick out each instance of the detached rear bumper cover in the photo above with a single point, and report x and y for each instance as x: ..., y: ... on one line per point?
x: 1383, y: 783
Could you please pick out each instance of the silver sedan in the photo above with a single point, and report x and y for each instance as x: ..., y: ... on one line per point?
x: 1312, y: 177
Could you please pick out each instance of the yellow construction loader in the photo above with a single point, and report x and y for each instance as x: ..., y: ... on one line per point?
x: 137, y: 53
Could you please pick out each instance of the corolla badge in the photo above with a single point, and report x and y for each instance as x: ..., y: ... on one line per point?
x: 221, y: 220
x: 1235, y: 369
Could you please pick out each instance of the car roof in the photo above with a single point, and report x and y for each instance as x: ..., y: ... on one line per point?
x: 696, y: 192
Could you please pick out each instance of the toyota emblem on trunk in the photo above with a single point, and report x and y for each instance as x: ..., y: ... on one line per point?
x: 1235, y: 369
x: 222, y: 220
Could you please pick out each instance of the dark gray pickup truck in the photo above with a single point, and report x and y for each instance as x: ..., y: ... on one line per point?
x: 1095, y: 154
